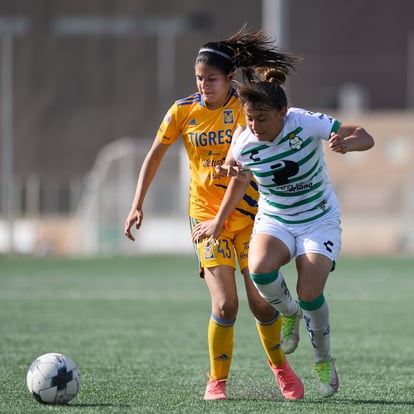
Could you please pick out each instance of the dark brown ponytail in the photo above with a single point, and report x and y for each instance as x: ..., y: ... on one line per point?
x: 251, y: 52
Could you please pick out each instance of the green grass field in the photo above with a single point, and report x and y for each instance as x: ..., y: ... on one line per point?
x: 137, y: 328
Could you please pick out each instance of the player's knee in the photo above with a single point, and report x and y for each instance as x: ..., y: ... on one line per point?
x: 264, y: 278
x: 261, y: 309
x: 259, y: 266
x: 263, y: 264
x: 226, y: 310
x: 309, y: 294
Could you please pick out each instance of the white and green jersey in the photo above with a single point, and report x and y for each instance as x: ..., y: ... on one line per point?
x: 291, y: 172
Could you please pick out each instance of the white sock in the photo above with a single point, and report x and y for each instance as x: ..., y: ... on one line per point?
x: 317, y: 325
x: 272, y: 287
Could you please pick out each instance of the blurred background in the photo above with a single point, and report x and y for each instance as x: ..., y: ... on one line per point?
x: 84, y: 85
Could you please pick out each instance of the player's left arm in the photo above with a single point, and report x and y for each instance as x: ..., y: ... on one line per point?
x: 350, y: 138
x: 234, y: 193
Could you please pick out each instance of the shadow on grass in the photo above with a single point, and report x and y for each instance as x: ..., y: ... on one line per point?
x: 271, y: 395
x: 100, y: 405
x: 376, y: 402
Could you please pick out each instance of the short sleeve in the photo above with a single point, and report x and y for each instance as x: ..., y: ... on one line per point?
x: 319, y: 125
x: 169, y: 130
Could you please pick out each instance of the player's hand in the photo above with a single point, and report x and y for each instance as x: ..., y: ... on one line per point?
x: 134, y: 217
x: 209, y: 229
x: 230, y: 171
x: 337, y: 143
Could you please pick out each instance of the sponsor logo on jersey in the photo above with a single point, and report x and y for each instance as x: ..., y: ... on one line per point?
x: 212, y: 163
x: 293, y: 188
x: 322, y: 205
x: 192, y: 122
x: 214, y: 154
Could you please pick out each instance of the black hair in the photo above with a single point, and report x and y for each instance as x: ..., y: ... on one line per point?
x: 266, y: 94
x: 251, y: 52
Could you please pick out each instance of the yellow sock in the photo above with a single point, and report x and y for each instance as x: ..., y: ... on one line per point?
x: 269, y: 334
x: 220, y: 346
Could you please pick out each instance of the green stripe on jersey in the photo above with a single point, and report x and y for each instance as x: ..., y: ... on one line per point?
x: 336, y: 126
x: 294, y: 132
x: 307, y: 220
x: 254, y: 149
x: 297, y: 204
x: 276, y: 157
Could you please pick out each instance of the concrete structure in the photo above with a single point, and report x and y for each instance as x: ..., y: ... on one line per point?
x: 86, y: 73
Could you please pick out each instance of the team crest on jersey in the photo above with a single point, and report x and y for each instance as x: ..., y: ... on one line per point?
x: 228, y: 116
x: 295, y: 141
x: 208, y: 252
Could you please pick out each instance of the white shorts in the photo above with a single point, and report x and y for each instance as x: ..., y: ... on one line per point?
x: 321, y: 236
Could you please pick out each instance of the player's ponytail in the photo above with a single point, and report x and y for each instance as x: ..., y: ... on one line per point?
x: 274, y: 76
x: 251, y: 52
x: 255, y: 52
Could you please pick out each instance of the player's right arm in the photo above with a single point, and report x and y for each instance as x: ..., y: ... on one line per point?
x: 147, y: 173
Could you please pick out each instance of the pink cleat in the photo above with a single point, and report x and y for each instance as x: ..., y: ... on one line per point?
x: 290, y: 384
x: 216, y: 390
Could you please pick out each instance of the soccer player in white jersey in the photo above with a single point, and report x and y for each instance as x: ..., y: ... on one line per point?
x: 298, y: 214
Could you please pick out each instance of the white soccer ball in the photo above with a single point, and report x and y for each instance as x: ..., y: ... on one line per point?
x: 53, y: 378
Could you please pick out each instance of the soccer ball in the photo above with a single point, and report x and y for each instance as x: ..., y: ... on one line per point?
x: 53, y: 378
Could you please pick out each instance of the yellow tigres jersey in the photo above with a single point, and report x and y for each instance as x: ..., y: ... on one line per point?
x: 207, y: 136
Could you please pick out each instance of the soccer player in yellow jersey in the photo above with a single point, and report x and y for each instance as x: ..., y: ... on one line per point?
x: 206, y: 121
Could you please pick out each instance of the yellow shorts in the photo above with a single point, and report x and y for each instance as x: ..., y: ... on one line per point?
x: 225, y: 249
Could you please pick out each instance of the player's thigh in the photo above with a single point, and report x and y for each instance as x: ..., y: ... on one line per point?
x: 271, y: 245
x: 267, y: 253
x: 317, y: 248
x: 313, y: 271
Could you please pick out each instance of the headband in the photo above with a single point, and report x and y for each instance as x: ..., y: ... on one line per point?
x: 217, y: 52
